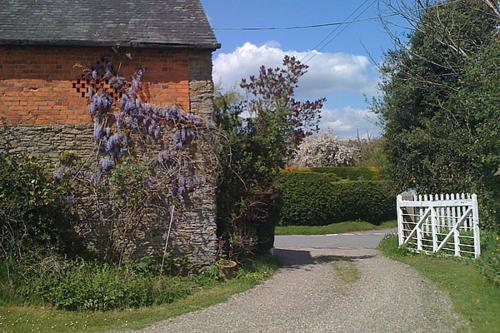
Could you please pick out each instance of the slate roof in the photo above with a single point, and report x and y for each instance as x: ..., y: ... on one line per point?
x: 141, y: 23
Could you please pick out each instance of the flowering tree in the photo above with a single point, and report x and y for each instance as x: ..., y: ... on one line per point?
x: 280, y: 120
x: 256, y: 147
x: 325, y: 150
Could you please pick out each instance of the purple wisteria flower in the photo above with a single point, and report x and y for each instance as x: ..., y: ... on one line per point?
x: 58, y: 174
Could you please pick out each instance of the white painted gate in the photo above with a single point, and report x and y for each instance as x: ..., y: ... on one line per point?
x: 448, y: 223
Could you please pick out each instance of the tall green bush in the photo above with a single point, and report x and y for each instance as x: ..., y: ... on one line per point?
x: 439, y: 106
x: 312, y: 199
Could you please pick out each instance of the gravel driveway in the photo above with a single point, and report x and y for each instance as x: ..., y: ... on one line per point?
x: 307, y: 296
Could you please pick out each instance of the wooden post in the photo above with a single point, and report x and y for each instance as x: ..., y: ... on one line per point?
x: 433, y: 228
x: 441, y: 226
x: 475, y: 223
x: 400, y: 219
x: 448, y: 213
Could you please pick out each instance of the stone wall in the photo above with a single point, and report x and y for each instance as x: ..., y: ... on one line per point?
x: 199, y: 229
x: 45, y: 115
x: 46, y: 142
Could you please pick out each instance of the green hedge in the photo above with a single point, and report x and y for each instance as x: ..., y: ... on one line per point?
x: 306, y: 198
x: 351, y: 173
x: 313, y: 199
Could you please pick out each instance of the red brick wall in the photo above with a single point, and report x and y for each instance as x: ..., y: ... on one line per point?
x: 36, y: 83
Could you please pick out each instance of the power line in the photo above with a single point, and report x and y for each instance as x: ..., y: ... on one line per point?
x: 329, y: 40
x: 298, y: 27
x: 334, y: 30
x: 347, y: 25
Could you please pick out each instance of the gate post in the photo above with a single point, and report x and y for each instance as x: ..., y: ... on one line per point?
x: 475, y: 227
x: 400, y: 219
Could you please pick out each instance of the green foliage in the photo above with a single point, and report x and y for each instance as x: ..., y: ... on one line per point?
x: 245, y: 193
x: 31, y: 213
x: 252, y: 151
x: 372, y: 154
x: 389, y: 246
x: 80, y: 285
x: 306, y: 199
x: 489, y: 262
x: 479, y: 95
x: 440, y: 105
x: 372, y: 201
x: 312, y: 199
x: 49, y: 320
x: 351, y: 173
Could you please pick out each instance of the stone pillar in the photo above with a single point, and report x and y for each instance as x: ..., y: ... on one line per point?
x: 196, y: 236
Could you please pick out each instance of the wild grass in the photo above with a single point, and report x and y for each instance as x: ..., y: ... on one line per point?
x: 46, y: 319
x: 334, y: 228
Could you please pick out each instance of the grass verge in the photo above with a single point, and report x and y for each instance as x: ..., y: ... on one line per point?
x: 42, y: 319
x: 334, y: 228
x: 347, y: 271
x: 475, y: 297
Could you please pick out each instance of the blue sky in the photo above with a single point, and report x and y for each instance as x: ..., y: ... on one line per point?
x: 341, y: 70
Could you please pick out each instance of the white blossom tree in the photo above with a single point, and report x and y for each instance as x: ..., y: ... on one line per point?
x: 324, y: 150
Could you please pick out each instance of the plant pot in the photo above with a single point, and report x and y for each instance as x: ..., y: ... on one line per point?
x: 227, y: 268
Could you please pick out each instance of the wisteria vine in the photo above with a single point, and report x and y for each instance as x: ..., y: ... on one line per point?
x: 115, y: 125
x: 131, y: 128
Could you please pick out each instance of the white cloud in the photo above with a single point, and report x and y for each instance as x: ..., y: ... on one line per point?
x: 273, y: 43
x: 349, y: 122
x: 328, y: 72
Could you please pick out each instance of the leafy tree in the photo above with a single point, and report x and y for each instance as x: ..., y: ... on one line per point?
x: 479, y: 95
x: 260, y: 133
x: 439, y: 127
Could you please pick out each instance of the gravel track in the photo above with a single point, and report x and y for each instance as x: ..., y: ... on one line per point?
x: 307, y: 296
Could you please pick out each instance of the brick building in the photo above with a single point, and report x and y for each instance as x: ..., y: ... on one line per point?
x: 43, y: 46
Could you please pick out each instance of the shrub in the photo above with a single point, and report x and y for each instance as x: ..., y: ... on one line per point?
x: 306, y: 198
x: 351, y: 173
x: 31, y: 214
x: 313, y: 199
x: 489, y: 262
x: 372, y: 201
x: 372, y: 154
x: 439, y: 103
